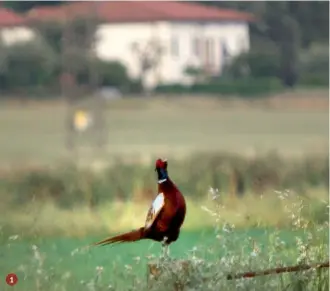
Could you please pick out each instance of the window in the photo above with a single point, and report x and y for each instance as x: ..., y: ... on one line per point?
x: 224, y: 54
x: 209, y: 54
x: 211, y: 50
x: 175, y: 46
x: 196, y: 47
x: 224, y: 49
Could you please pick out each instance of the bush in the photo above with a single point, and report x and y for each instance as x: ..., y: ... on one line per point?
x: 176, y: 88
x: 314, y: 80
x: 314, y: 75
x: 244, y: 87
x: 135, y: 86
x: 240, y: 87
x: 33, y: 68
x: 67, y: 187
x: 259, y: 64
x: 314, y: 68
x: 112, y: 73
x: 28, y: 64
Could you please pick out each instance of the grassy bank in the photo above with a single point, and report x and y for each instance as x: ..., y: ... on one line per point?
x: 270, y: 210
x: 70, y: 200
x: 243, y: 214
x: 64, y: 263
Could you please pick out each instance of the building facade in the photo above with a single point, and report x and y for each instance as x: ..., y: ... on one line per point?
x: 172, y: 47
x: 159, y: 41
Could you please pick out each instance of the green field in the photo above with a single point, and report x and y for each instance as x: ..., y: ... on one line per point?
x: 141, y: 128
x: 43, y: 236
x: 64, y: 264
x: 47, y: 248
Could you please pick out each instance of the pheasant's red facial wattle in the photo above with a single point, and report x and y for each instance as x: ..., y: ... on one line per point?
x: 161, y: 164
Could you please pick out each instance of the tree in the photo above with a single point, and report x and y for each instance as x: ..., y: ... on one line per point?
x: 312, y: 17
x: 148, y: 57
x: 52, y: 33
x: 23, y: 6
x: 279, y: 23
x: 313, y: 20
x: 3, y: 63
x: 29, y: 64
x: 289, y: 51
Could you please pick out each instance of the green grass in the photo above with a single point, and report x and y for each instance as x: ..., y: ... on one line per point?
x: 139, y: 129
x: 64, y: 263
x: 46, y: 246
x: 46, y: 219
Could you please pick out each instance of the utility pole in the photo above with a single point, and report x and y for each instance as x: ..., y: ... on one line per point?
x: 94, y: 80
x: 76, y: 42
x: 68, y: 82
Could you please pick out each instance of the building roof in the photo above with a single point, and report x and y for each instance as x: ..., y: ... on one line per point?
x: 9, y: 18
x: 137, y: 11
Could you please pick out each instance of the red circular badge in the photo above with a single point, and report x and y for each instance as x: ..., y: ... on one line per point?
x: 11, y: 279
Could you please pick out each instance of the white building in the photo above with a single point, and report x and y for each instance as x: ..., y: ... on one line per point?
x: 171, y: 35
x: 13, y: 28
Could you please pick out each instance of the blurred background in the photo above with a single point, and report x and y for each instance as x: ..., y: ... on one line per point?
x: 234, y: 94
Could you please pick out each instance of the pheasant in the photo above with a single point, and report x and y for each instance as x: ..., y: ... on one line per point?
x: 164, y: 218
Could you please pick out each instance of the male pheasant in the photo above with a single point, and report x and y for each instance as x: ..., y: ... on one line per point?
x: 165, y: 216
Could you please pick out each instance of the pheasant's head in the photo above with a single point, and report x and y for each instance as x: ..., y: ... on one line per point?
x: 161, y: 169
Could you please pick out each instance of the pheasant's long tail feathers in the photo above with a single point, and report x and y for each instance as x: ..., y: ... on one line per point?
x: 131, y: 236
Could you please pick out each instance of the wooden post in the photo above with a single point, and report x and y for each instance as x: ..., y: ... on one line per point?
x: 68, y: 79
x: 174, y: 272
